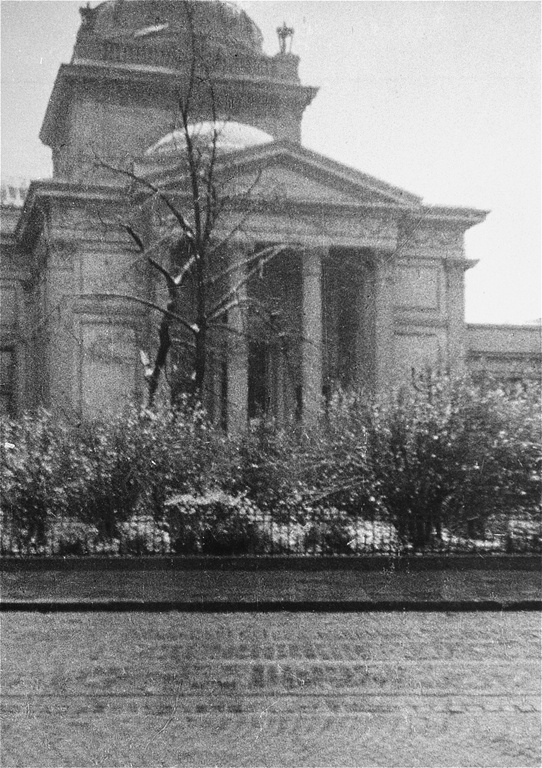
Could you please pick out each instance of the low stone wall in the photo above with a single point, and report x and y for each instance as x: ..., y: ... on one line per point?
x: 250, y: 583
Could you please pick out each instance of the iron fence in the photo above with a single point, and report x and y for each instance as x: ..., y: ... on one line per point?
x: 220, y: 527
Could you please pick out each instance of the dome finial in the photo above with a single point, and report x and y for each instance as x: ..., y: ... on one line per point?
x: 285, y: 35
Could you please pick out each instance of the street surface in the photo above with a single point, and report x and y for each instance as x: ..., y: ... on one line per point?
x: 371, y: 689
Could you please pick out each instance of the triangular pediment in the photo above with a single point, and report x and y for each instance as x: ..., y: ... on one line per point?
x: 286, y: 171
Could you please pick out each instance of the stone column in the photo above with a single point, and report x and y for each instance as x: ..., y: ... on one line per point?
x: 237, y: 366
x: 384, y: 352
x: 311, y: 329
x: 455, y: 310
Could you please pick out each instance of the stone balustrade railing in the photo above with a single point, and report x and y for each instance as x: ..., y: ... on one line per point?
x: 282, y: 67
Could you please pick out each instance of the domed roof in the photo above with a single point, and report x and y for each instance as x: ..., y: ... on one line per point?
x: 231, y: 136
x: 163, y: 22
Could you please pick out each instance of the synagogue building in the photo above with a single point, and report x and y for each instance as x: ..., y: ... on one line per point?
x: 366, y: 288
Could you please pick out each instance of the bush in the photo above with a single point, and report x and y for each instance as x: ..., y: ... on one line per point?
x: 215, y: 524
x: 335, y: 462
x: 101, y: 475
x: 449, y: 455
x: 440, y: 465
x: 264, y: 468
x: 144, y: 536
x: 37, y: 466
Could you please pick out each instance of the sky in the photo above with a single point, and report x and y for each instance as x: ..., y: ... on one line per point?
x: 439, y: 98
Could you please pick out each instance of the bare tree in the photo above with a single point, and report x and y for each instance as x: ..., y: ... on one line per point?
x: 204, y: 284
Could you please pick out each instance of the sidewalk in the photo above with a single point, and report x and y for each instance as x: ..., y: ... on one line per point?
x: 288, y: 584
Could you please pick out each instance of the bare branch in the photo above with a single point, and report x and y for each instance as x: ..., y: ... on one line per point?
x: 192, y: 327
x: 171, y: 284
x: 220, y: 204
x: 217, y: 309
x: 185, y: 226
x: 184, y: 271
x: 262, y: 253
x: 135, y: 237
x: 185, y: 107
x: 210, y: 187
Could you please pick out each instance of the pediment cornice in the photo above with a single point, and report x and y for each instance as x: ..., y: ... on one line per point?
x: 283, y: 171
x: 314, y: 165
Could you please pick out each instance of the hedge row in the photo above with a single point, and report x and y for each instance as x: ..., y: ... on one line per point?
x: 442, y: 465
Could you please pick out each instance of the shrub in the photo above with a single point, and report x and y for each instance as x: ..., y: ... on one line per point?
x: 263, y: 467
x: 450, y: 454
x: 144, y: 536
x: 36, y: 468
x: 335, y: 462
x: 327, y: 533
x: 101, y: 475
x: 215, y: 524
x: 438, y: 465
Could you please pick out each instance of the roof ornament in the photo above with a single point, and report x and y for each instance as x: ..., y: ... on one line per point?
x: 86, y: 13
x: 88, y: 16
x: 285, y: 35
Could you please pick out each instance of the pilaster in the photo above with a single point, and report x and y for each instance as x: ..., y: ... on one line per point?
x: 455, y: 310
x: 384, y: 268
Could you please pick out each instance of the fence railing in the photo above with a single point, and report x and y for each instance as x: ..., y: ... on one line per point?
x: 224, y: 528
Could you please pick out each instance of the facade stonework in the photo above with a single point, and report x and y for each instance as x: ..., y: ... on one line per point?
x: 369, y: 287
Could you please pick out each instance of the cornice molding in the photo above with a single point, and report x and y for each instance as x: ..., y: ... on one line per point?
x: 467, y: 217
x: 168, y: 79
x: 459, y: 264
x: 477, y: 354
x: 533, y: 327
x: 41, y: 193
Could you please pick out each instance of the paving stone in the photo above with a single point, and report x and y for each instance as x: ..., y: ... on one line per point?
x: 273, y: 690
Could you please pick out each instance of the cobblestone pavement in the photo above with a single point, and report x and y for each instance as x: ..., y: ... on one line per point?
x: 176, y: 689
